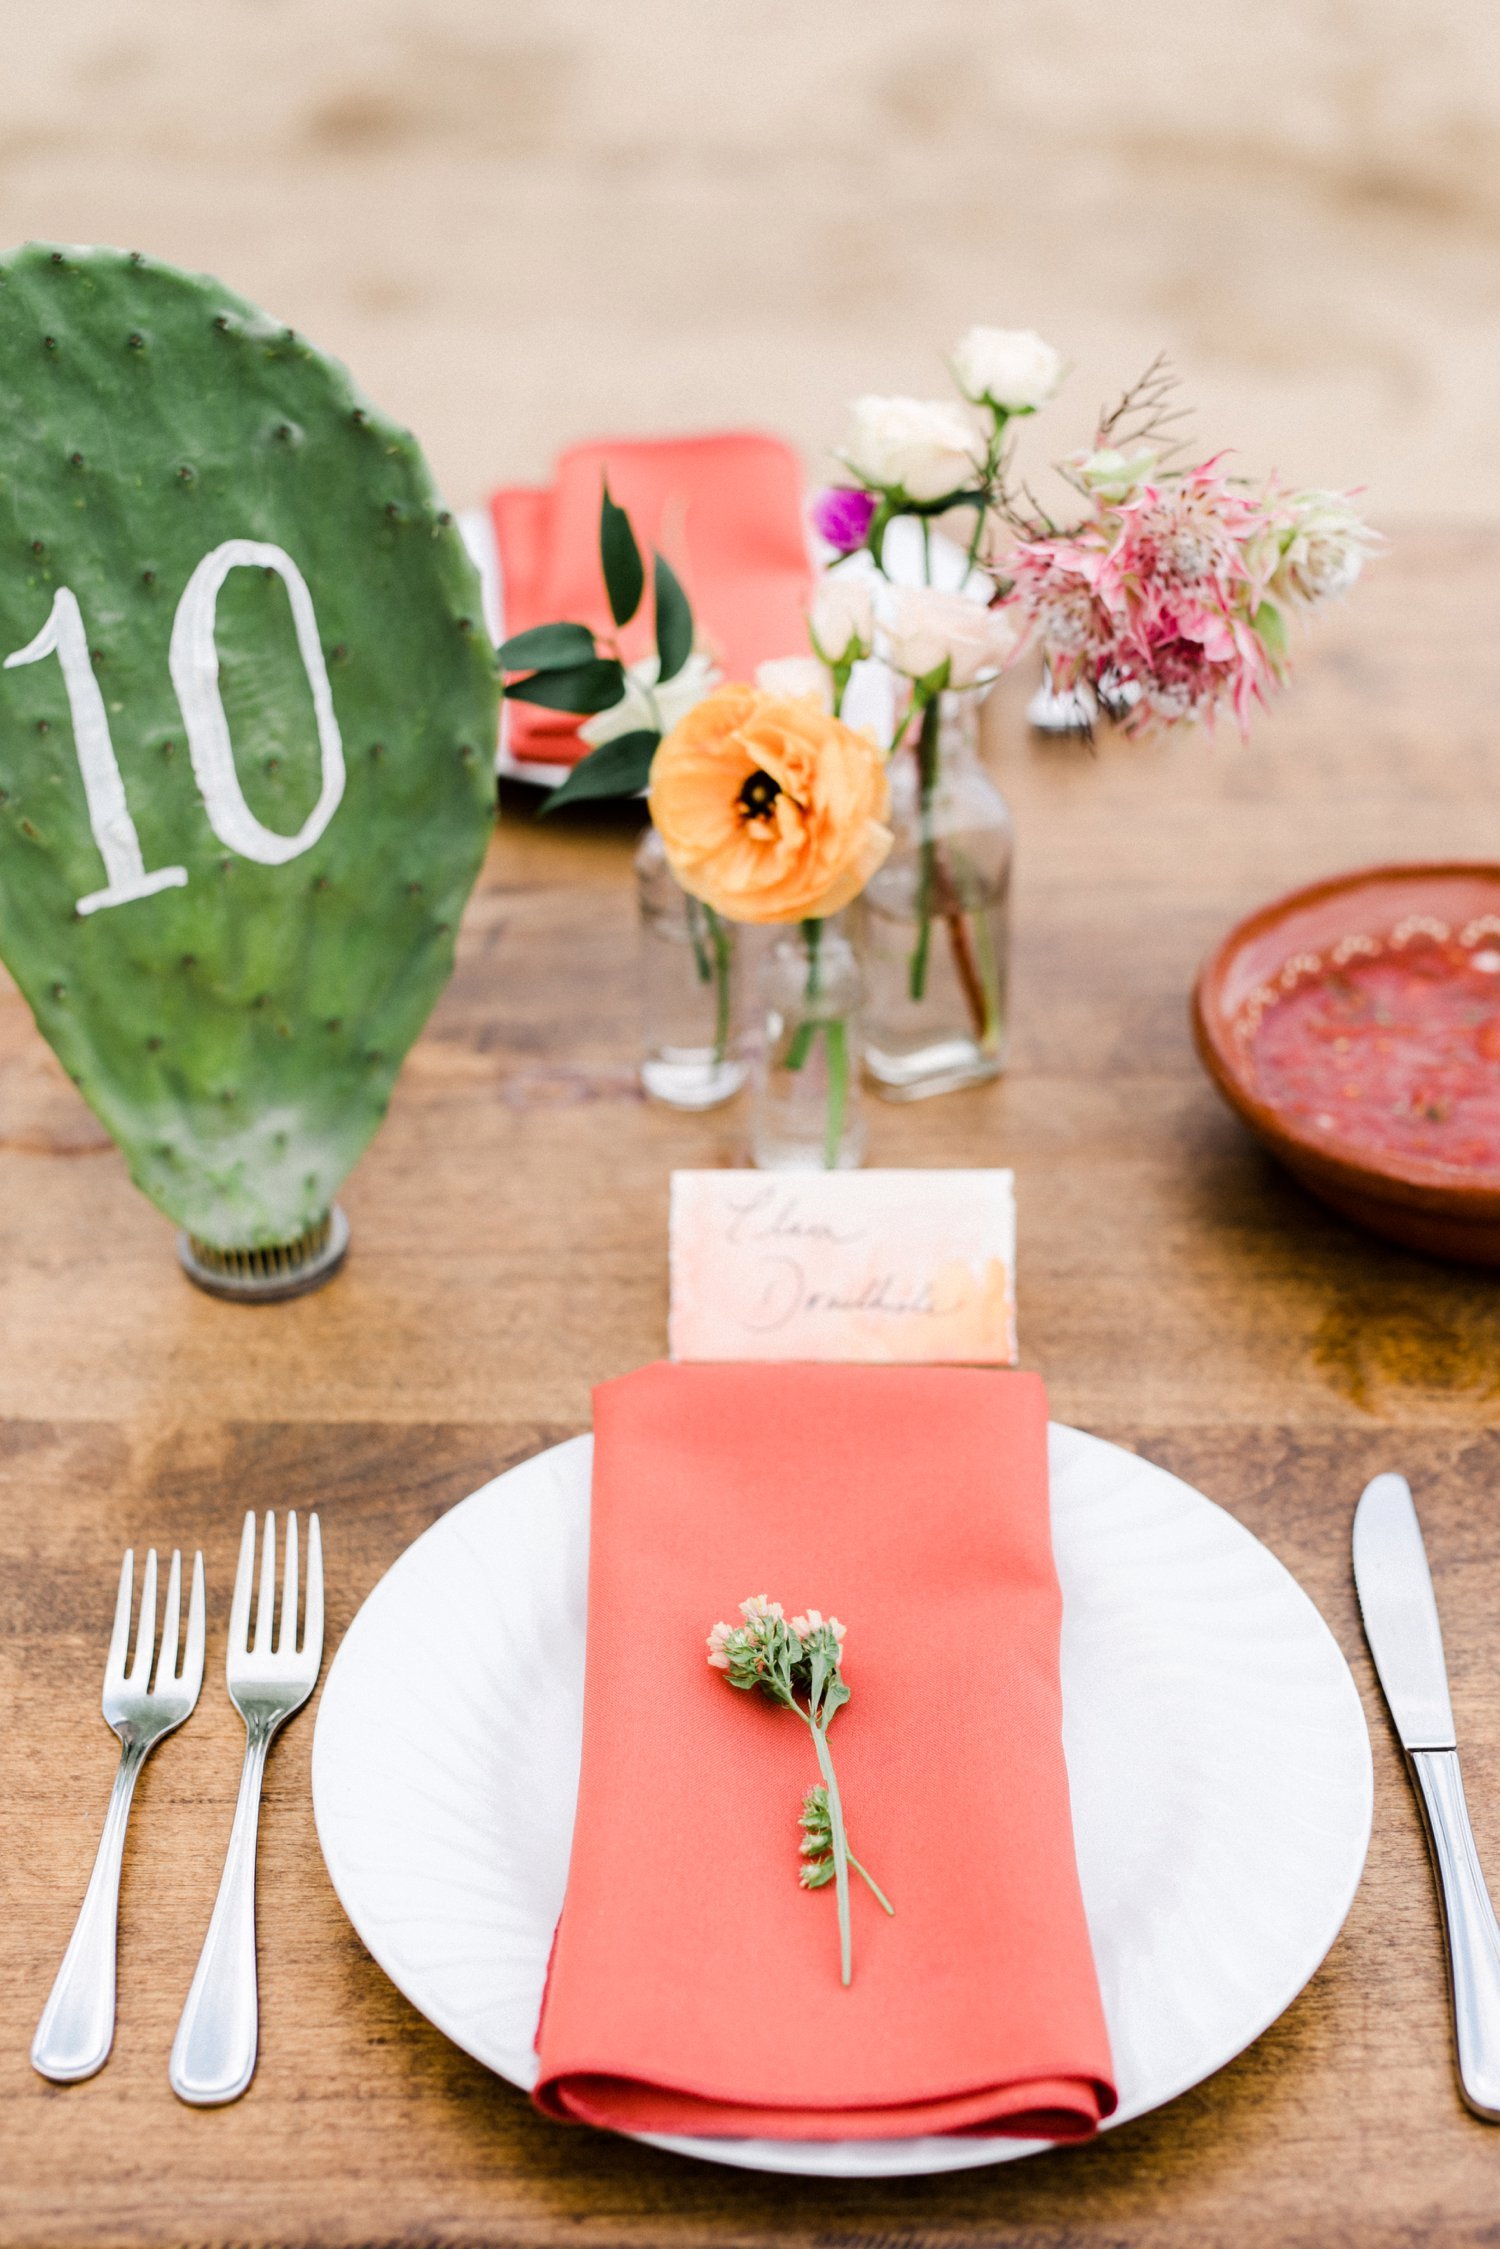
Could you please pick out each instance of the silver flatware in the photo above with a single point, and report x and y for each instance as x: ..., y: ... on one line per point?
x: 213, y: 2054
x: 77, y: 2028
x: 1401, y: 1625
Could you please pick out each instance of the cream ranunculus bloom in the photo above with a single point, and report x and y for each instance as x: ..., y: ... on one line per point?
x: 770, y: 809
x: 843, y: 615
x: 924, y: 627
x: 634, y: 713
x: 1323, y: 549
x: 922, y: 447
x: 795, y: 675
x: 1011, y: 368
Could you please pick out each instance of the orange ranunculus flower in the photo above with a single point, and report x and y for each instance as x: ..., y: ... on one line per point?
x: 770, y: 809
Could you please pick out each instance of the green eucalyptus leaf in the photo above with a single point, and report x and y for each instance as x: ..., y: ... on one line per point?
x: 585, y: 688
x: 674, y: 622
x: 547, y: 648
x: 620, y: 768
x: 620, y: 559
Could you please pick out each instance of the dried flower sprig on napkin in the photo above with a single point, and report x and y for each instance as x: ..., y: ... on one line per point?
x: 798, y: 1664
x: 818, y: 1864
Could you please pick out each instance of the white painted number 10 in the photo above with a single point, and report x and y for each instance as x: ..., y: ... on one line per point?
x: 193, y: 661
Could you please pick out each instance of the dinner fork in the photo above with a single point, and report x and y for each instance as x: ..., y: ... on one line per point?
x: 213, y: 2054
x: 77, y: 2028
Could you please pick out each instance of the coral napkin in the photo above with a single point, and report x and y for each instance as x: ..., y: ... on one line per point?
x: 725, y: 511
x: 694, y: 1985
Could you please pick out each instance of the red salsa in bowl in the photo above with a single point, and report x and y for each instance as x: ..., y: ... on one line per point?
x: 1396, y: 1052
x: 1355, y: 1027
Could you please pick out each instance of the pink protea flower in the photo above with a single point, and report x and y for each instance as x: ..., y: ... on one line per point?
x: 1166, y: 589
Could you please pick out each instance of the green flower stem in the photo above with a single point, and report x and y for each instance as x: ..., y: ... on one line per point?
x: 871, y: 1884
x: 936, y: 893
x: 715, y: 964
x: 816, y: 1825
x: 989, y: 978
x: 917, y: 972
x: 927, y: 773
x: 723, y: 945
x: 695, y: 937
x: 836, y: 1041
x: 885, y: 512
x: 836, y: 1037
x: 981, y: 988
x: 840, y: 1852
x: 806, y: 1031
x: 993, y: 452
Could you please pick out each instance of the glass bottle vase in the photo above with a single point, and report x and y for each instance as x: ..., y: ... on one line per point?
x: 692, y: 1042
x: 807, y: 1113
x: 934, y: 923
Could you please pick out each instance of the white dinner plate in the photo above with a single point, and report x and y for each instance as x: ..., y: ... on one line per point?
x: 1216, y: 1747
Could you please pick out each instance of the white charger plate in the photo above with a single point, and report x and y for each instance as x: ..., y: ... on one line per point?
x: 1216, y: 1747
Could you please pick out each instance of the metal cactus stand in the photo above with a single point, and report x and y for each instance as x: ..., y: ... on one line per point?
x: 268, y: 1276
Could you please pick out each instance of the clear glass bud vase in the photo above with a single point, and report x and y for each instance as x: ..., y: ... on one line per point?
x: 692, y: 1042
x: 934, y: 924
x: 807, y: 1114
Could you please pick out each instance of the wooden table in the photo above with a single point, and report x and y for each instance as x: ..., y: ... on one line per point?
x: 1178, y: 1294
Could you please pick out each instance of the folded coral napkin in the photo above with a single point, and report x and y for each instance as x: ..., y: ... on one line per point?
x: 725, y: 511
x: 694, y: 1985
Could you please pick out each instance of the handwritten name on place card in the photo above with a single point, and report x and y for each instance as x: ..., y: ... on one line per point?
x: 902, y: 1267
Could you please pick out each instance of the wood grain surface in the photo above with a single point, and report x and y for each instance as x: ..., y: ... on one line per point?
x: 509, y: 1250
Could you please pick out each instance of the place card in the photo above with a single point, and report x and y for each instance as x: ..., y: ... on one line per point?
x: 912, y: 1268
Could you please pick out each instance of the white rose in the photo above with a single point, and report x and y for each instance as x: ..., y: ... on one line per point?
x: 924, y: 447
x: 925, y: 627
x: 1011, y: 368
x: 645, y: 705
x: 1323, y: 548
x: 843, y: 616
x: 1109, y: 474
x: 795, y: 675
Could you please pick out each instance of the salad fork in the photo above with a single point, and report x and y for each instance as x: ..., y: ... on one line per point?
x: 213, y: 2054
x: 77, y: 2028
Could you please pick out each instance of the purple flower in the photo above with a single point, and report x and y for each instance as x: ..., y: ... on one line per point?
x: 843, y: 517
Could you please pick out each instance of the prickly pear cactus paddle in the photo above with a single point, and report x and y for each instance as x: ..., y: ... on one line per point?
x: 247, y: 712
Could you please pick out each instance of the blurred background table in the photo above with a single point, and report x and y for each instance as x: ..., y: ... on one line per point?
x: 509, y: 1250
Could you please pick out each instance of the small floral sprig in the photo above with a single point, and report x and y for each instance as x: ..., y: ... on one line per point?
x: 797, y: 1664
x: 816, y: 1847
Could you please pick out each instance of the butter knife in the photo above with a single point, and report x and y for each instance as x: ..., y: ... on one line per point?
x: 1401, y: 1624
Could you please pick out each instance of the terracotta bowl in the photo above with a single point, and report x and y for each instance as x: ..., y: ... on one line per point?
x: 1427, y: 1206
